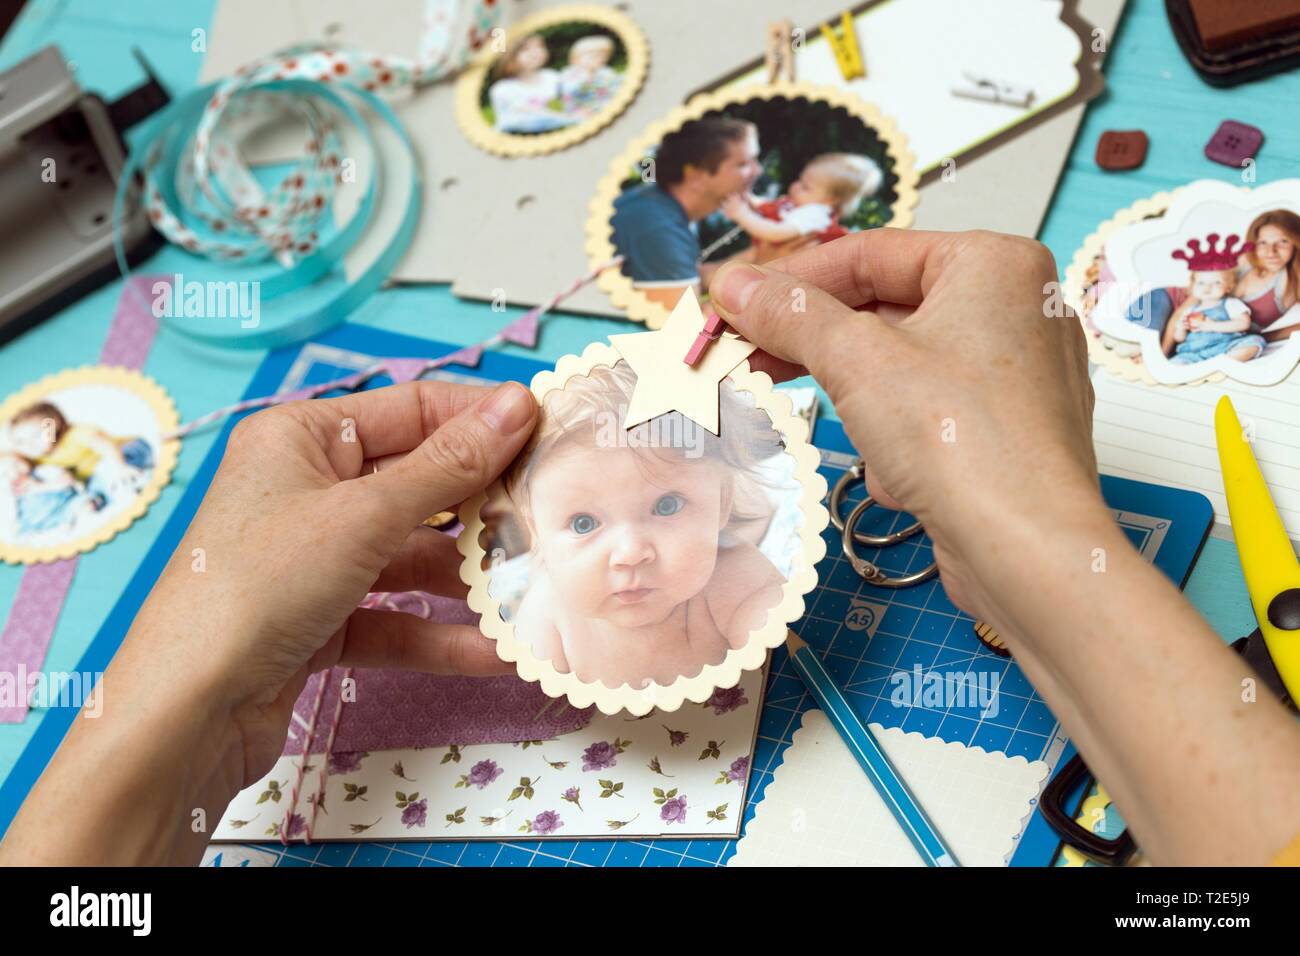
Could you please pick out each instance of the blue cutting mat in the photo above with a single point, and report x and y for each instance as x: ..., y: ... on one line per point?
x: 865, y: 634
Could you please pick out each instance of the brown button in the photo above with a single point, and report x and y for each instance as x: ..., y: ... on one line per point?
x: 1121, y: 149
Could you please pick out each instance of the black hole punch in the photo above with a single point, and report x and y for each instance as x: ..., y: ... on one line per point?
x: 1284, y: 610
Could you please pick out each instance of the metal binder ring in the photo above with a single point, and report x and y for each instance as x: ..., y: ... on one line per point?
x: 855, y: 474
x: 870, y: 572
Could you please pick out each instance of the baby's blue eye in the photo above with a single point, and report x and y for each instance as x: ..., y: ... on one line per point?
x: 582, y: 524
x: 668, y: 505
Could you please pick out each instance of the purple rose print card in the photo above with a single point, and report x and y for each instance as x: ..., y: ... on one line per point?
x: 678, y: 774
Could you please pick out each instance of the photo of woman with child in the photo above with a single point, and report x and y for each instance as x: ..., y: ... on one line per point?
x: 629, y: 557
x: 1239, y: 298
x: 757, y: 179
x: 554, y: 77
x: 63, y: 474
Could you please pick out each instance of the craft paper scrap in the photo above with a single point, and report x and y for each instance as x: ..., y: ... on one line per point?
x: 682, y: 774
x: 821, y: 810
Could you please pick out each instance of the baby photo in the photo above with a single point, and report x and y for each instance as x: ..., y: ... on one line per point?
x: 639, y: 556
x: 1211, y: 289
x: 756, y: 180
x: 555, y: 77
x: 63, y: 474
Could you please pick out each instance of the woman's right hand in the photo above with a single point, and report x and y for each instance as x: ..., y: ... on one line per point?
x: 958, y: 373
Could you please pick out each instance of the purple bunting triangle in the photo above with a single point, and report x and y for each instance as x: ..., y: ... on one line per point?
x: 402, y: 370
x: 523, y: 331
x: 469, y: 356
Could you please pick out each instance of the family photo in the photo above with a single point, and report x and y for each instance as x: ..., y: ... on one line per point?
x: 640, y: 556
x: 63, y: 473
x: 1221, y: 294
x: 553, y: 78
x: 758, y: 179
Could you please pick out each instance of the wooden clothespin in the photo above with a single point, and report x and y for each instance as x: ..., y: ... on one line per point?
x: 977, y: 86
x: 844, y: 44
x: 713, y: 327
x: 780, y: 51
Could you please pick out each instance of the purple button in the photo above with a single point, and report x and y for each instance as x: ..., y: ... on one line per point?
x: 1233, y: 142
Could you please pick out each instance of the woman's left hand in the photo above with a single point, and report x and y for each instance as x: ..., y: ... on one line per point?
x: 315, y: 505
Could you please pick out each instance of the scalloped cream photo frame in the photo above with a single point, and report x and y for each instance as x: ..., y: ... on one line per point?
x: 469, y: 87
x: 1123, y: 357
x: 140, y: 387
x: 753, y: 655
x: 600, y: 245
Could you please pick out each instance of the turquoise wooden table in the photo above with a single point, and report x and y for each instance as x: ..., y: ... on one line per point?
x: 1150, y: 86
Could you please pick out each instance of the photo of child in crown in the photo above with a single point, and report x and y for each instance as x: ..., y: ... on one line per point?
x: 554, y: 78
x: 637, y: 556
x: 1218, y: 291
x: 65, y: 471
x: 756, y: 180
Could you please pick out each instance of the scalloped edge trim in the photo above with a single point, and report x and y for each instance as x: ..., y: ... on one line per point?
x: 698, y: 689
x: 470, y: 119
x: 138, y: 384
x: 878, y: 728
x: 600, y: 242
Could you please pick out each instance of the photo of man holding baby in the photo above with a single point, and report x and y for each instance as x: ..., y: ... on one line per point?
x: 758, y: 180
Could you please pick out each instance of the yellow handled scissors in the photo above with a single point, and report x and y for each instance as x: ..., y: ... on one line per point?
x: 1268, y: 561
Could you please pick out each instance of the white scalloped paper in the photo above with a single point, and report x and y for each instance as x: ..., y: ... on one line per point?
x: 820, y: 809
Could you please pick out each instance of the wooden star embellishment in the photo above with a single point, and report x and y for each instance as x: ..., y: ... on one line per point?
x: 664, y: 382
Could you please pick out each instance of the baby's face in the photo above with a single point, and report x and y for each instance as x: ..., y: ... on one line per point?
x: 626, y: 536
x: 1210, y: 286
x: 811, y: 186
x: 591, y: 59
x: 32, y: 437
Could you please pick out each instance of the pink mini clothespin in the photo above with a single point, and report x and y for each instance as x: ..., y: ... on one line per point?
x: 713, y: 326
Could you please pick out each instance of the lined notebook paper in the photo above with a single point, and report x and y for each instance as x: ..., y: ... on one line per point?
x: 820, y: 809
x: 1166, y: 435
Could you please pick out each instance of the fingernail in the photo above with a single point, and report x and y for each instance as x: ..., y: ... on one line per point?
x: 736, y: 286
x: 509, y: 408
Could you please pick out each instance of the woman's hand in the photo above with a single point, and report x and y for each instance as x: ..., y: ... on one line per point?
x: 965, y: 386
x: 296, y: 528
x: 958, y: 376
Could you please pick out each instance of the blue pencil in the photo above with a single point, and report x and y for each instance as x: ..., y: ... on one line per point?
x: 864, y: 746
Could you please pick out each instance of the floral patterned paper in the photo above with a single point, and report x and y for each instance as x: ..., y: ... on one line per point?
x: 677, y: 774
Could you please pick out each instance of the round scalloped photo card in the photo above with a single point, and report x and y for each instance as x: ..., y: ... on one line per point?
x: 552, y: 80
x: 639, y: 568
x: 751, y: 173
x: 83, y: 454
x: 1199, y: 284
